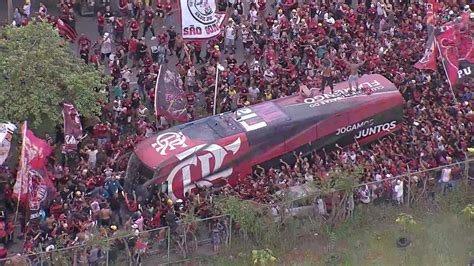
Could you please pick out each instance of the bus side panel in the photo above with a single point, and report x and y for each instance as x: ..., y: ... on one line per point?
x: 328, y: 141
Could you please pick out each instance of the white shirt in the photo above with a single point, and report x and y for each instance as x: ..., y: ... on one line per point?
x: 230, y: 32
x: 92, y: 156
x: 330, y: 21
x: 399, y: 190
x: 446, y: 175
x: 254, y: 91
x: 106, y: 47
x: 253, y: 15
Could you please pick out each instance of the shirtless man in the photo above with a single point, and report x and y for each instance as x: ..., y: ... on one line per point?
x: 354, y: 74
x: 327, y: 69
x: 105, y: 215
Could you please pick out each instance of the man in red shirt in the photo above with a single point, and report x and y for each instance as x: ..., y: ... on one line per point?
x: 123, y: 7
x: 119, y: 28
x: 132, y: 50
x: 100, y: 23
x: 95, y: 58
x: 148, y: 22
x: 83, y: 41
x: 134, y: 27
x: 168, y: 7
x: 101, y: 132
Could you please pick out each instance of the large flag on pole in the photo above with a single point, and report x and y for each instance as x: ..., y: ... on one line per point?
x: 199, y: 19
x: 429, y: 59
x: 6, y: 134
x: 170, y: 98
x: 456, y: 47
x: 31, y: 183
x: 72, y: 127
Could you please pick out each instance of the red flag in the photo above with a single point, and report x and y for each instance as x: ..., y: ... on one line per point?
x: 66, y: 31
x: 455, y: 45
x: 34, y: 152
x: 72, y: 127
x: 170, y: 98
x: 429, y: 59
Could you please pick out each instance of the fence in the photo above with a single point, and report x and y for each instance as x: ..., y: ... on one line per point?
x: 417, y: 185
x: 163, y: 245
x: 194, y: 239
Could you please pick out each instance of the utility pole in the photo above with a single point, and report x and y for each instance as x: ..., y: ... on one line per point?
x: 10, y: 11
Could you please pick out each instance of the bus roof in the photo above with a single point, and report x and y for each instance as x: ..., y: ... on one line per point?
x: 292, y: 111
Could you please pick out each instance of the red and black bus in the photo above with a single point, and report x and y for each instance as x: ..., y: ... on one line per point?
x: 227, y: 146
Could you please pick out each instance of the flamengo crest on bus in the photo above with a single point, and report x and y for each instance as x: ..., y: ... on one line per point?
x: 169, y: 141
x: 191, y: 173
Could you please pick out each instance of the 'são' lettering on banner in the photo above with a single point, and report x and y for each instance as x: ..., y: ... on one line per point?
x: 199, y: 19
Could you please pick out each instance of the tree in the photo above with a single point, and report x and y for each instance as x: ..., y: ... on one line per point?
x: 339, y: 185
x: 38, y: 71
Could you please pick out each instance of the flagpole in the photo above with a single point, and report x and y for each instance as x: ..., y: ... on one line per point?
x: 156, y: 94
x: 445, y: 70
x: 219, y: 67
x: 21, y: 167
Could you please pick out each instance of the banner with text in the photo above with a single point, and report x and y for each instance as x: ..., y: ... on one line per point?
x: 199, y: 19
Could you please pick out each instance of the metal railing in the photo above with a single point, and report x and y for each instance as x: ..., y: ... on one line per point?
x: 163, y: 245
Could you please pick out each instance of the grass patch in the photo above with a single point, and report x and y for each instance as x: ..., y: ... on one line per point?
x: 440, y: 237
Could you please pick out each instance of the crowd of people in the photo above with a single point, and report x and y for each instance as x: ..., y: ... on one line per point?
x: 268, y: 51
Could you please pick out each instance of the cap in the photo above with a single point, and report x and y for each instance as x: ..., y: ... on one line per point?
x: 78, y: 193
x: 113, y: 227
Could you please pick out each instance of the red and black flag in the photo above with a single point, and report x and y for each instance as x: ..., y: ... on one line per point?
x: 456, y: 47
x: 170, y: 98
x: 72, y: 127
x: 66, y: 31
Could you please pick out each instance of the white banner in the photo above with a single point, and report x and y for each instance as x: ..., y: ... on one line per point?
x: 6, y: 132
x: 199, y: 19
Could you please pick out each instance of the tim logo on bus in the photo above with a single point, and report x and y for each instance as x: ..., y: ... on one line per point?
x: 203, y: 165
